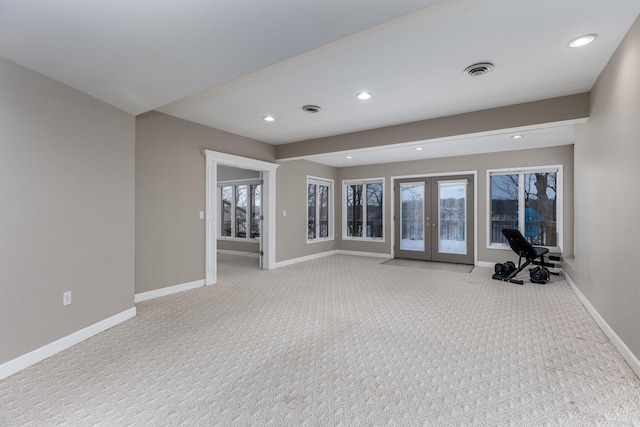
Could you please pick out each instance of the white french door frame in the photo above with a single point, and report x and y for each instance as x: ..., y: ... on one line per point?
x: 212, y: 208
x: 431, y: 175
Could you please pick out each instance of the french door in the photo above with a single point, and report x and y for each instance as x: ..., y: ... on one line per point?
x: 434, y: 218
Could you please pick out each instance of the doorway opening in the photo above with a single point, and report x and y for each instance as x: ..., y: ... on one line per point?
x: 259, y: 222
x: 435, y: 218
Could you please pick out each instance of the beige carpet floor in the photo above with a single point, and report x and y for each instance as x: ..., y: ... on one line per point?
x: 339, y: 341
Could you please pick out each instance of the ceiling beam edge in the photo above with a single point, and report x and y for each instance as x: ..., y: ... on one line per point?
x: 551, y: 110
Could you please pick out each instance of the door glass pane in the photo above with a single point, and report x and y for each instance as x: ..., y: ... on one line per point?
x: 354, y: 210
x: 256, y: 211
x: 374, y: 209
x: 241, y: 211
x: 540, y: 208
x: 227, y: 196
x: 412, y: 217
x: 504, y: 205
x: 452, y: 217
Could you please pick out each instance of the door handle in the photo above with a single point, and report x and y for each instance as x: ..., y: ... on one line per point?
x: 434, y: 224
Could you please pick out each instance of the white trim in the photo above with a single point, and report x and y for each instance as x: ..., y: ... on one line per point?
x: 487, y: 264
x: 144, y: 296
x: 625, y: 352
x: 327, y: 182
x: 364, y: 254
x: 304, y: 258
x: 239, y: 253
x: 22, y: 362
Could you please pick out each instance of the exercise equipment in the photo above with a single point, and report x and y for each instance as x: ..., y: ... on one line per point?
x: 534, y: 255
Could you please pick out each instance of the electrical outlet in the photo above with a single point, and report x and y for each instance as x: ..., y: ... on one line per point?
x: 66, y: 298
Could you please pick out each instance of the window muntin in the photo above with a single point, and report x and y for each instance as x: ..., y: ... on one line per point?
x: 319, y: 210
x: 527, y: 200
x: 241, y: 211
x: 363, y: 213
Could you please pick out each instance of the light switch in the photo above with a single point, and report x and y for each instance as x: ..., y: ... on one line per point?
x: 201, y: 215
x: 284, y: 213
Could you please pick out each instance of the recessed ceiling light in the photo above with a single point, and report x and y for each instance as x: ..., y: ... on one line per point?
x: 517, y: 136
x: 419, y: 148
x: 268, y: 118
x: 582, y: 40
x: 348, y: 157
x: 364, y: 95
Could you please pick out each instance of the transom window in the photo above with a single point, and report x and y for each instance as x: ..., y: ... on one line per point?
x: 529, y: 200
x: 362, y: 213
x: 319, y: 209
x: 241, y: 210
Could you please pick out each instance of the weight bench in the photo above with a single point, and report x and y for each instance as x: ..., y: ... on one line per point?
x: 508, y: 271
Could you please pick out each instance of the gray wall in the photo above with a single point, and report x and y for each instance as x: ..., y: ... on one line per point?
x: 291, y: 196
x: 522, y: 158
x: 170, y: 184
x: 228, y: 173
x: 607, y: 201
x: 67, y: 210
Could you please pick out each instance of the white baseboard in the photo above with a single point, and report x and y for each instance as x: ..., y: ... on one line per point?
x: 168, y: 290
x: 366, y: 254
x: 485, y: 264
x: 239, y: 253
x: 626, y: 353
x: 22, y: 362
x: 304, y: 258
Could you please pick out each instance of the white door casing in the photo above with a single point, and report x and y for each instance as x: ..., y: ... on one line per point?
x: 268, y: 170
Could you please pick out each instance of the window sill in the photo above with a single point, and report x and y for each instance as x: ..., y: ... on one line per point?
x: 504, y: 247
x: 364, y: 239
x: 310, y: 242
x: 238, y: 239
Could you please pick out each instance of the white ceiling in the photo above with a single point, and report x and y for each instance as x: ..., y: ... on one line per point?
x: 226, y: 64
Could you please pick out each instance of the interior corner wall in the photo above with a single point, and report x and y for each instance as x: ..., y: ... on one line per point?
x: 170, y: 194
x: 291, y: 197
x: 607, y: 201
x: 561, y: 155
x: 66, y: 210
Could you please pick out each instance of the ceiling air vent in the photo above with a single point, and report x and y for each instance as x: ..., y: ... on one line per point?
x: 478, y: 69
x: 311, y: 109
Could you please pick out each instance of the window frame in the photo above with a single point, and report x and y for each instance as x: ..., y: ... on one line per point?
x: 237, y: 183
x: 330, y: 209
x: 345, y: 184
x: 521, y: 171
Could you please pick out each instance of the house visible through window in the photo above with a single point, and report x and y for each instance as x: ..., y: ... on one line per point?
x: 362, y: 212
x: 527, y: 200
x: 241, y: 210
x: 319, y: 209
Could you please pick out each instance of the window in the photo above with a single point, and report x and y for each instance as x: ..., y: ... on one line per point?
x: 528, y: 200
x: 362, y: 210
x: 320, y: 214
x: 241, y: 212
